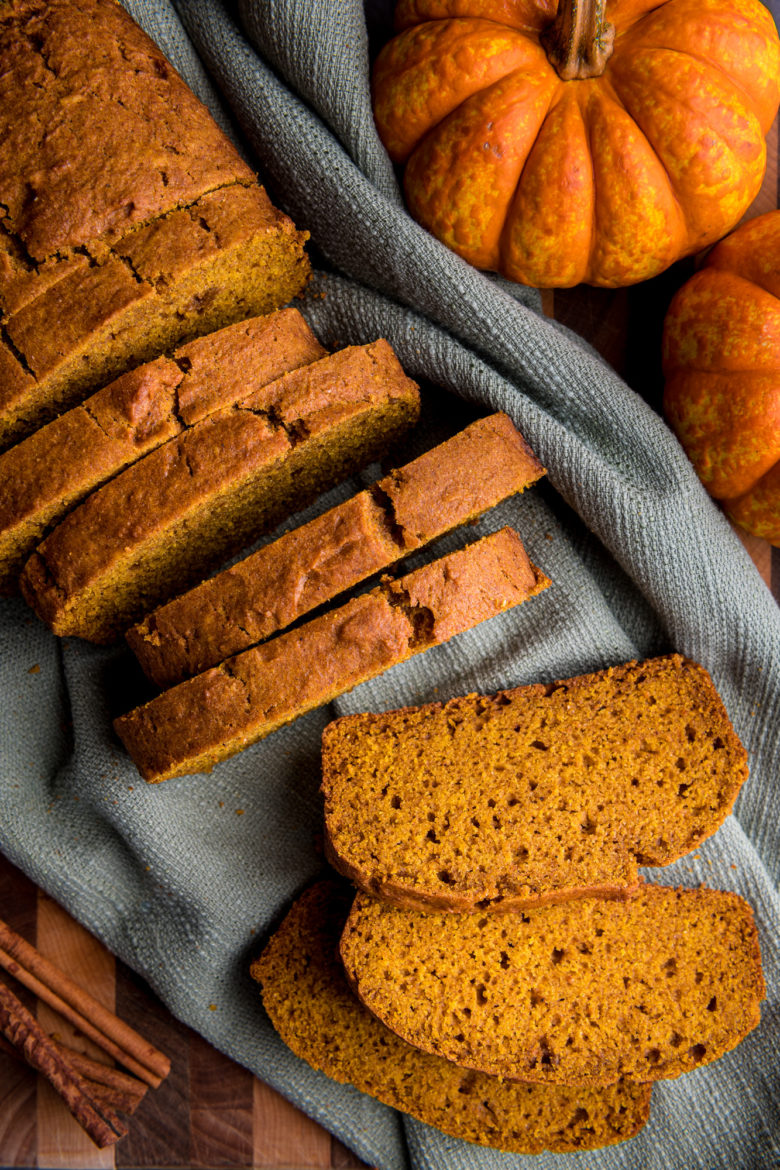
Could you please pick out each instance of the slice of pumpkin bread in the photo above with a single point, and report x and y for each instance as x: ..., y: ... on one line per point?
x: 190, y: 504
x: 126, y: 215
x: 313, y: 1010
x: 445, y: 487
x: 535, y: 794
x: 218, y: 713
x: 48, y: 473
x: 197, y: 277
x: 574, y: 993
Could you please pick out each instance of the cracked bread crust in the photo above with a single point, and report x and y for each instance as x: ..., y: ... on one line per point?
x: 447, y: 486
x: 190, y: 504
x: 575, y: 993
x: 223, y: 710
x: 312, y: 1008
x: 171, y: 281
x: 55, y: 467
x: 125, y: 213
x: 268, y: 591
x: 99, y: 132
x: 540, y: 793
x: 48, y: 473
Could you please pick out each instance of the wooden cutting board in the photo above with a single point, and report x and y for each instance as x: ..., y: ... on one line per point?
x: 209, y: 1112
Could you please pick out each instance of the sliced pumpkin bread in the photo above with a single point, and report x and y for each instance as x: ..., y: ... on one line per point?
x: 223, y: 710
x: 127, y: 217
x: 47, y: 474
x: 583, y: 992
x: 312, y: 1008
x: 535, y: 794
x: 448, y: 485
x: 190, y: 504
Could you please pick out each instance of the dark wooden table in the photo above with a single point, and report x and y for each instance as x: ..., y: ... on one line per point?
x: 211, y: 1112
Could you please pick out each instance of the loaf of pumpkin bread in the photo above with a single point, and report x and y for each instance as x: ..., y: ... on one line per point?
x: 187, y: 506
x: 535, y: 794
x: 49, y: 472
x: 445, y: 487
x: 223, y: 710
x: 313, y: 1010
x: 126, y: 216
x: 583, y: 992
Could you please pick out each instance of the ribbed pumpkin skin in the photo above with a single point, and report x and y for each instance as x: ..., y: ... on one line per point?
x: 721, y: 354
x: 606, y: 180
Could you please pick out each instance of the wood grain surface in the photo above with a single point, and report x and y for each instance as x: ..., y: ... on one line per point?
x: 210, y: 1112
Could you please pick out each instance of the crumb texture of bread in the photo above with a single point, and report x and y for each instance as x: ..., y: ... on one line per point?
x: 48, y: 473
x: 194, y: 725
x: 312, y: 1008
x: 126, y: 214
x: 449, y: 485
x: 184, y: 508
x: 579, y: 993
x: 536, y: 793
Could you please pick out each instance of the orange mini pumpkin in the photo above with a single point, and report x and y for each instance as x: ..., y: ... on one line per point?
x: 564, y: 148
x: 721, y: 354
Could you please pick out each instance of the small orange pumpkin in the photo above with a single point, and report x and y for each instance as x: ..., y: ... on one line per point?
x: 721, y: 356
x: 563, y: 148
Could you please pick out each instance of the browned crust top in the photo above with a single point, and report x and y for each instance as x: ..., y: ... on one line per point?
x: 97, y: 130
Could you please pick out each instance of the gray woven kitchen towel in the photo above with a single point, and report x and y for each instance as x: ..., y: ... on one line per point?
x: 171, y: 877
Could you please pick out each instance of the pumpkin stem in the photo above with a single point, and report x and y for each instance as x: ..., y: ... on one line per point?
x: 579, y: 41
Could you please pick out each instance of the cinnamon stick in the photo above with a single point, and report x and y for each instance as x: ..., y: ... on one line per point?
x: 115, y: 1037
x: 108, y: 1099
x: 25, y: 1034
x: 122, y: 1091
x: 109, y: 1086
